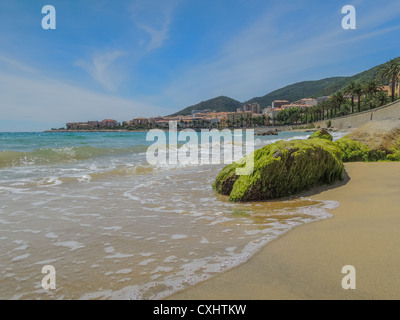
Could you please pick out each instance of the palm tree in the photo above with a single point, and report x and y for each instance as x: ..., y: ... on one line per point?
x: 338, y: 99
x: 358, y: 91
x: 320, y: 111
x: 329, y: 108
x: 391, y: 73
x: 315, y: 113
x: 371, y: 88
x: 325, y: 107
x: 301, y: 114
x: 381, y: 98
x: 350, y: 89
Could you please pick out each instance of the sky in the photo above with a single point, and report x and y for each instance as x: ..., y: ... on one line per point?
x: 142, y: 58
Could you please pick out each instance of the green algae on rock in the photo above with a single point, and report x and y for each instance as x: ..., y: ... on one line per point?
x: 281, y: 169
x: 353, y: 151
x: 374, y: 141
x: 322, y: 134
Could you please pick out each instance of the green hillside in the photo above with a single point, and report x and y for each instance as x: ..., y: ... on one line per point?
x: 219, y: 104
x: 362, y: 77
x: 315, y: 89
x: 293, y: 92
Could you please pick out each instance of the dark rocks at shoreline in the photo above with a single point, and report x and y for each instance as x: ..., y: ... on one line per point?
x: 268, y: 133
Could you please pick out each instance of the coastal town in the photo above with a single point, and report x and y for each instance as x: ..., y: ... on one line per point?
x: 305, y: 110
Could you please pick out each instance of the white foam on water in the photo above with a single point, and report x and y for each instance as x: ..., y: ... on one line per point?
x: 124, y: 271
x: 22, y: 247
x: 27, y: 231
x: 195, y: 270
x: 114, y: 228
x: 179, y: 236
x: 162, y: 269
x: 21, y: 257
x: 51, y: 235
x: 171, y: 259
x: 204, y: 240
x: 73, y: 245
x: 50, y: 181
x: 85, y: 178
x: 119, y: 256
x: 146, y: 254
x: 46, y: 262
x: 146, y: 262
x: 2, y: 221
x: 109, y: 250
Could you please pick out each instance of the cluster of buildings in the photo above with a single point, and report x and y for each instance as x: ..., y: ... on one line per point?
x: 279, y: 105
x: 93, y: 125
x: 249, y: 115
x: 388, y: 89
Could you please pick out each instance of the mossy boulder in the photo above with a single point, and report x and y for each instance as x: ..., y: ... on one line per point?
x: 374, y: 141
x: 281, y: 169
x: 322, y: 134
x: 353, y: 151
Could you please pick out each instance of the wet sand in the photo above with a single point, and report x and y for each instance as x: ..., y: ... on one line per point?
x: 306, y: 263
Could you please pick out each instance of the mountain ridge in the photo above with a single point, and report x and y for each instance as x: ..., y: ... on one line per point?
x: 292, y: 92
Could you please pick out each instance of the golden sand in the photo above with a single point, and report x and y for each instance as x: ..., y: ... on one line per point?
x: 307, y: 262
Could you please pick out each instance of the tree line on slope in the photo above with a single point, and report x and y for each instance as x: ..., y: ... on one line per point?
x: 355, y: 97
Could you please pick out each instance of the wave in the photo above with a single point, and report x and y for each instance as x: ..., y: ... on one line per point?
x: 51, y: 156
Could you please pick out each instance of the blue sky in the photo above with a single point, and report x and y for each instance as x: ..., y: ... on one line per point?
x: 131, y: 58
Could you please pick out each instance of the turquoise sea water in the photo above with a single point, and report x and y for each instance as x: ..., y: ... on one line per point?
x: 116, y: 227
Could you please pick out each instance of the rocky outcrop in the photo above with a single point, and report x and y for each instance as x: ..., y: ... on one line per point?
x: 268, y: 133
x: 289, y: 167
x: 281, y: 169
x: 322, y: 134
x: 374, y: 141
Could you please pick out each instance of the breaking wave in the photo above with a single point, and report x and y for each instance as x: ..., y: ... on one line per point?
x: 52, y: 156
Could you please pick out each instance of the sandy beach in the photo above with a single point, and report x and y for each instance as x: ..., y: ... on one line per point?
x: 306, y: 263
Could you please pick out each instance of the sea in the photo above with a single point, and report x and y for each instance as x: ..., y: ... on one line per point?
x: 114, y: 226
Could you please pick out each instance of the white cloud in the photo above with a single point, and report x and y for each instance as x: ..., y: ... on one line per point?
x: 16, y: 65
x: 44, y: 100
x: 100, y: 69
x: 155, y: 18
x: 266, y: 56
x: 158, y: 36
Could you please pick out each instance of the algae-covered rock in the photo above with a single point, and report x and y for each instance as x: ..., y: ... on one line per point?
x: 281, y: 169
x: 374, y: 141
x: 322, y: 134
x: 352, y: 151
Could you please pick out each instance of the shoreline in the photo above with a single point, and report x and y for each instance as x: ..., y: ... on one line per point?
x: 256, y: 129
x: 94, y: 131
x: 306, y: 263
